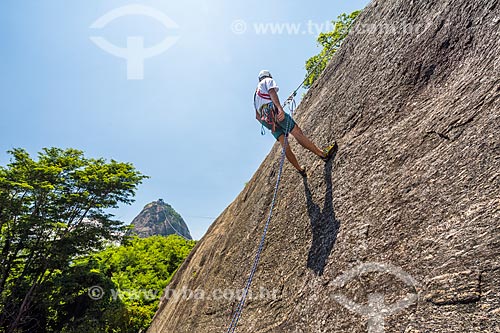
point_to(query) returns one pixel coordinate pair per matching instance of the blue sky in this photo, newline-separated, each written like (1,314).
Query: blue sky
(188,124)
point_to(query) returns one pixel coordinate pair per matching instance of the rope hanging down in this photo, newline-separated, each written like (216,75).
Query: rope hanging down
(291,106)
(237,314)
(313,70)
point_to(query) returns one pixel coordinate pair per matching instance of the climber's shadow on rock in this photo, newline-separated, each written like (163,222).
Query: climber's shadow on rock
(324,225)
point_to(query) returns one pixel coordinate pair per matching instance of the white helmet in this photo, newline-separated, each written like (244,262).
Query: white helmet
(263,74)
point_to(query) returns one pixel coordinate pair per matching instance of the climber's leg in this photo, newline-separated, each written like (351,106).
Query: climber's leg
(305,142)
(289,154)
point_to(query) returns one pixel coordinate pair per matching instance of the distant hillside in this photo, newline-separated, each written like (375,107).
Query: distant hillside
(159,218)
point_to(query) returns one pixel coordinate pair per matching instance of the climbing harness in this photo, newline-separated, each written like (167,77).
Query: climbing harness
(266,113)
(290,102)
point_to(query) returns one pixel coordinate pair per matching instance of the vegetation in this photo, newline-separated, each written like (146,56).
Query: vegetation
(59,271)
(140,271)
(330,42)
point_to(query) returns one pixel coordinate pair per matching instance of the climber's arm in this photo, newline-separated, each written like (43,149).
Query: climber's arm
(276,101)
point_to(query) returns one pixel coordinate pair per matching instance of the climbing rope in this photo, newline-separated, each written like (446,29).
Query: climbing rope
(327,53)
(290,102)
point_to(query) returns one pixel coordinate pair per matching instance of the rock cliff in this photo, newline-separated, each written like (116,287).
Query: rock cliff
(401,231)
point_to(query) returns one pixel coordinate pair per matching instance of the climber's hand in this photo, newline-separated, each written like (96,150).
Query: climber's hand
(281,115)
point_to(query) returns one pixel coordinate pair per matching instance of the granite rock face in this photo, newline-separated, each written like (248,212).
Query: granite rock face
(159,218)
(401,231)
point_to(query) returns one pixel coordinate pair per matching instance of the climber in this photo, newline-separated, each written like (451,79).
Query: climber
(269,113)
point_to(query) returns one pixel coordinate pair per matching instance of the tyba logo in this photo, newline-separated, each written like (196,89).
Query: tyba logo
(135,53)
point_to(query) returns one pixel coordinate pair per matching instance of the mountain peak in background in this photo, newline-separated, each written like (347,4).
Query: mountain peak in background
(159,218)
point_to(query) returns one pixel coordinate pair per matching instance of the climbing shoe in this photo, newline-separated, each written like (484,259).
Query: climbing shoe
(330,151)
(303,172)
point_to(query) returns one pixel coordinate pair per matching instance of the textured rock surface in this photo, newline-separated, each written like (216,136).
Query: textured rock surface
(411,201)
(159,218)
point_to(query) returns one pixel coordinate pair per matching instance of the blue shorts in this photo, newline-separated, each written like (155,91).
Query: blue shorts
(281,127)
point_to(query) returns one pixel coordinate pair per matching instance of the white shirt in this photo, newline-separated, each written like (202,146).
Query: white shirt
(262,96)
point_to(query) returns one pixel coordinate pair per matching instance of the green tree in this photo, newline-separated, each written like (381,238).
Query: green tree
(69,307)
(53,210)
(330,41)
(141,270)
(132,277)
